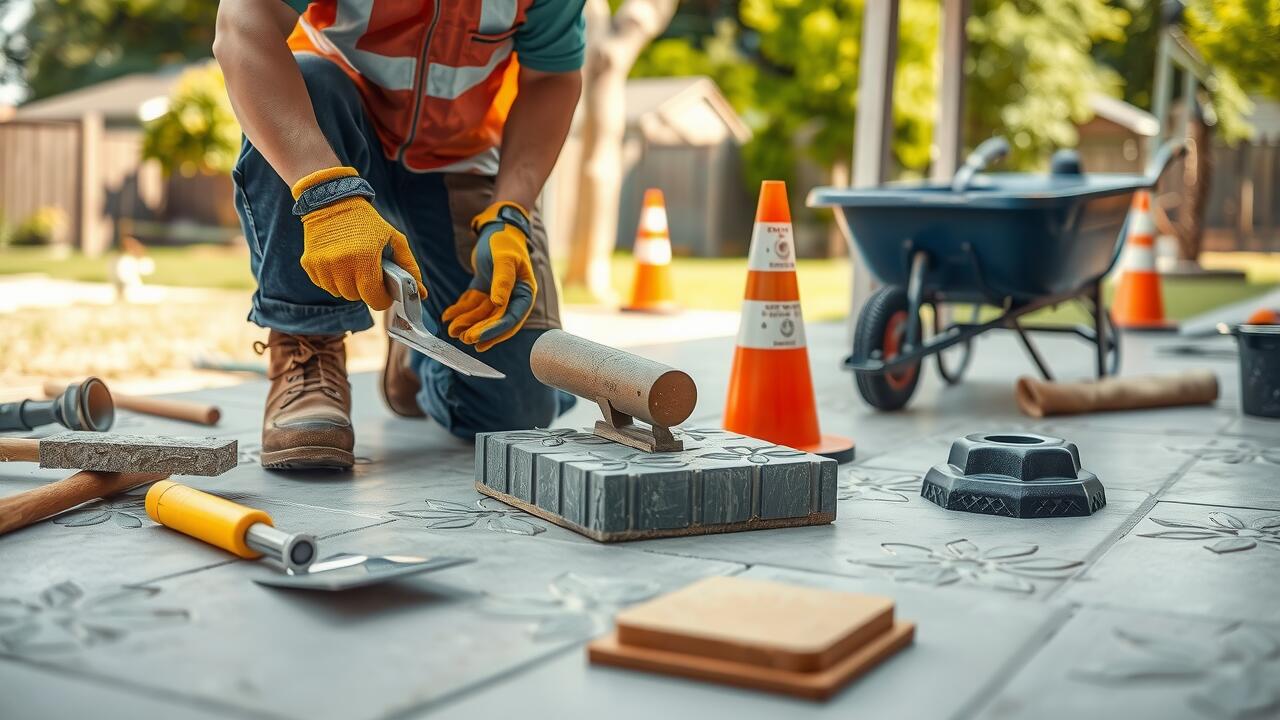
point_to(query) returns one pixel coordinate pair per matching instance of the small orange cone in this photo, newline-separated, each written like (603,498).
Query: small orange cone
(770,389)
(652,289)
(1138,304)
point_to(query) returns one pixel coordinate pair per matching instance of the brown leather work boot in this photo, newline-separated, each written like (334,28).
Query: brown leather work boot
(400,384)
(308,419)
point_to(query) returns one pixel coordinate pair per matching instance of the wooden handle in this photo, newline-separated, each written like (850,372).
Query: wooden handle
(184,410)
(25,508)
(19,449)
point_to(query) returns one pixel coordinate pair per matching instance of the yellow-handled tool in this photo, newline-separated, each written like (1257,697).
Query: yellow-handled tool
(235,528)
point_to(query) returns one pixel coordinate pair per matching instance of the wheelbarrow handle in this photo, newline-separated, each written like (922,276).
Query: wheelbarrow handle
(988,152)
(1164,156)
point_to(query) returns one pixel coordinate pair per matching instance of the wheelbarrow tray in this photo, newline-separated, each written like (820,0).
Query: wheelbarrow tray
(1010,235)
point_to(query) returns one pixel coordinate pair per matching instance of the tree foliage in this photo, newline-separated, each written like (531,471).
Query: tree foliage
(1029,73)
(1241,37)
(68,44)
(199,132)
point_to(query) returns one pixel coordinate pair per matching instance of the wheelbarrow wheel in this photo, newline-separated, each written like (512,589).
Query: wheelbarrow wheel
(880,333)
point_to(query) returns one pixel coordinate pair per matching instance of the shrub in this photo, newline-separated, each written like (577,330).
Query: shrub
(199,132)
(41,228)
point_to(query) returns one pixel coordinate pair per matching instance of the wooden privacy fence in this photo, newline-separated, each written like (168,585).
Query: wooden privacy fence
(92,175)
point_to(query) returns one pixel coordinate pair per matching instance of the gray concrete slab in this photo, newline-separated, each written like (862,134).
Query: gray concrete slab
(1211,561)
(959,648)
(366,654)
(1107,663)
(1231,471)
(192,636)
(34,692)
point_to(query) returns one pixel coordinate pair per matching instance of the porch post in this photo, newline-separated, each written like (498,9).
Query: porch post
(873,132)
(948,127)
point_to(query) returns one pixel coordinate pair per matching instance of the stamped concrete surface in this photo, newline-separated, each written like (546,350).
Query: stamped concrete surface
(1162,604)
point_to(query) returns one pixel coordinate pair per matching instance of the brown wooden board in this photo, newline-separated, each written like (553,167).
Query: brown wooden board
(818,685)
(758,622)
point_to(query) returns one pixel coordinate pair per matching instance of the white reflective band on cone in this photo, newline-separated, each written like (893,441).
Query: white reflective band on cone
(1140,223)
(1139,258)
(772,248)
(653,220)
(771,325)
(652,251)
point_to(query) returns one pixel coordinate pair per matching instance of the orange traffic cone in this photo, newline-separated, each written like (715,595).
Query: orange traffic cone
(652,289)
(770,389)
(1138,304)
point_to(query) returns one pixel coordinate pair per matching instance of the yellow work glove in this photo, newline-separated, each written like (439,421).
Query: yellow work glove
(500,297)
(344,237)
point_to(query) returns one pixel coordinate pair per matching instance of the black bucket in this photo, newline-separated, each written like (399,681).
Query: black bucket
(1259,369)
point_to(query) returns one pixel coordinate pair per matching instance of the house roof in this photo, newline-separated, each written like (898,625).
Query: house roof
(118,100)
(1130,117)
(676,103)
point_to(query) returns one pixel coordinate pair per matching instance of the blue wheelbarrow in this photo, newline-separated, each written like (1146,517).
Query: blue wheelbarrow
(1019,242)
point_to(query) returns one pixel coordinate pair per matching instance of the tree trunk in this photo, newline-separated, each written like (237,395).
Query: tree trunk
(614,43)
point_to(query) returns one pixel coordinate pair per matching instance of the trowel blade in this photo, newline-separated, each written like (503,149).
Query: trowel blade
(437,349)
(345,571)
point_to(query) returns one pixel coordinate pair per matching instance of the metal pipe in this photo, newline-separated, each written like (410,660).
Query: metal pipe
(295,551)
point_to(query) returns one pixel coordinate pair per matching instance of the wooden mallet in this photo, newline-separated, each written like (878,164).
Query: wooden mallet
(109,464)
(193,412)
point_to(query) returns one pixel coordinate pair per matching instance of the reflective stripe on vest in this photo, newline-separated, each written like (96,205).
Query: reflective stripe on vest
(448,82)
(374,40)
(340,38)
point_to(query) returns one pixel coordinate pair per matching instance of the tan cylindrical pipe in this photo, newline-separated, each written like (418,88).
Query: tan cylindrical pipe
(1038,398)
(25,508)
(650,391)
(184,410)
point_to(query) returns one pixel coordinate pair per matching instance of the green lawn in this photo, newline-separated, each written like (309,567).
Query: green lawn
(205,266)
(707,284)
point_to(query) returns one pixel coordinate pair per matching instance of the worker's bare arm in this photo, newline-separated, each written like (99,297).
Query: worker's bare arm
(535,131)
(266,87)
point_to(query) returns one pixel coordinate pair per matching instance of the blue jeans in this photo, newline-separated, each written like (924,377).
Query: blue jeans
(433,210)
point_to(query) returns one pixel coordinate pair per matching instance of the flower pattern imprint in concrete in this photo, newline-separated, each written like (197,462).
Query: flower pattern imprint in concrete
(576,606)
(64,618)
(1235,675)
(557,436)
(1241,452)
(1010,568)
(125,511)
(756,455)
(892,488)
(1231,534)
(445,515)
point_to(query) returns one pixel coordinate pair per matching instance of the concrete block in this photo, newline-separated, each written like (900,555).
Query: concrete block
(720,482)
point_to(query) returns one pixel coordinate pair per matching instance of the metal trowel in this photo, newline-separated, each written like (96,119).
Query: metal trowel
(250,534)
(406,325)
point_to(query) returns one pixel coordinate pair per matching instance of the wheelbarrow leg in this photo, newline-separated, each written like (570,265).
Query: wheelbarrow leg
(1031,350)
(1100,330)
(915,297)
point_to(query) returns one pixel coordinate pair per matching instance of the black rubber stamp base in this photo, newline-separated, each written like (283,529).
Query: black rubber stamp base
(1019,475)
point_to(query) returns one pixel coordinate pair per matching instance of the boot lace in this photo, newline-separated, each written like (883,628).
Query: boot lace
(314,366)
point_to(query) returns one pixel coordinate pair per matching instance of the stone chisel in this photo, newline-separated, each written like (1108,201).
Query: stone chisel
(405,325)
(105,452)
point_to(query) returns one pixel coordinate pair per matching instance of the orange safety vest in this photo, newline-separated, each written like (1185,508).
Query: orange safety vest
(437,78)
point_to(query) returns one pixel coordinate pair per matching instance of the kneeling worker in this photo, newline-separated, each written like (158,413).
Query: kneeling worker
(374,126)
